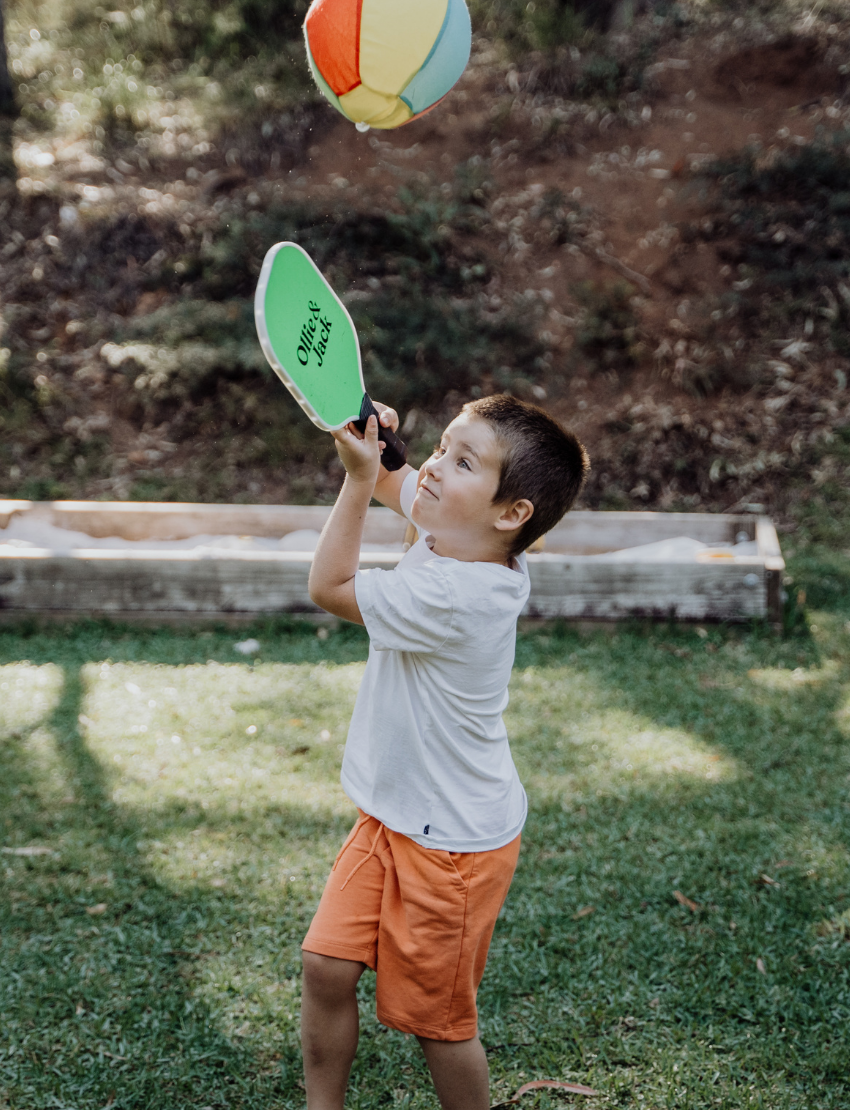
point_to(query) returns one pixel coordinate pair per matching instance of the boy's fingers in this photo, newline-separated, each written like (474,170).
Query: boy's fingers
(372,433)
(387,416)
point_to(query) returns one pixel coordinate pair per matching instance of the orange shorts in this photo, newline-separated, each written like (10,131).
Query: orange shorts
(421,918)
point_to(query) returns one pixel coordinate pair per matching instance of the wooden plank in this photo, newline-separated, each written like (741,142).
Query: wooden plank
(9,618)
(8,509)
(771,553)
(250,582)
(613,591)
(139,520)
(768,544)
(589,533)
(155,521)
(178,581)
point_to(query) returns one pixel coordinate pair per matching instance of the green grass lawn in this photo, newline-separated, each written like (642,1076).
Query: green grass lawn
(189,799)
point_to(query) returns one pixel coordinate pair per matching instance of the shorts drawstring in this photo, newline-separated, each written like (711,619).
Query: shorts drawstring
(361,820)
(365,859)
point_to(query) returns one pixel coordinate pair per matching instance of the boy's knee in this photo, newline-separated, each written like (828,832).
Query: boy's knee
(329,978)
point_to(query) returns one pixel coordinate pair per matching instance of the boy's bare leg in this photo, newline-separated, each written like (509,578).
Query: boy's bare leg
(329,1027)
(460,1073)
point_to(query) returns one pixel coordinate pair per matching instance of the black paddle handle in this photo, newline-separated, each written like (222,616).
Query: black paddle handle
(394,454)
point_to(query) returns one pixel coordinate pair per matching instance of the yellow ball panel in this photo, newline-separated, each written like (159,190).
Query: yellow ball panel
(401,115)
(364,105)
(396,36)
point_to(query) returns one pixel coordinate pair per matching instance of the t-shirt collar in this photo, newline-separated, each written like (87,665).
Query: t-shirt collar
(515,564)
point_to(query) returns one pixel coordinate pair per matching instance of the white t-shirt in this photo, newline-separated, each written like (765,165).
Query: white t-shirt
(427,752)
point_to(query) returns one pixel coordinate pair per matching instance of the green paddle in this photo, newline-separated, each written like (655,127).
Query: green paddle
(311,344)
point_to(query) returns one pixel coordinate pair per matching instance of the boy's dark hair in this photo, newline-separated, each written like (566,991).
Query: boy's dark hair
(541,461)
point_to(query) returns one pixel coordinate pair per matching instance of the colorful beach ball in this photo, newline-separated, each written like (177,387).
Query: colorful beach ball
(383,63)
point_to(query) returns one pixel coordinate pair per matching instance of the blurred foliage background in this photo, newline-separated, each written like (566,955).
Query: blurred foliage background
(212,95)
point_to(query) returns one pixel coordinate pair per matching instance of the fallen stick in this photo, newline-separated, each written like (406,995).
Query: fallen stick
(622,269)
(536,1084)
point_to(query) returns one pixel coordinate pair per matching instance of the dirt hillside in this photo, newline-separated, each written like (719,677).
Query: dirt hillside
(595,234)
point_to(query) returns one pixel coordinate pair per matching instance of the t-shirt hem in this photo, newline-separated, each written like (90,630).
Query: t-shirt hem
(490,844)
(441,844)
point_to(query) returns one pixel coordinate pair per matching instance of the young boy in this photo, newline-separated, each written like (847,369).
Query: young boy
(416,888)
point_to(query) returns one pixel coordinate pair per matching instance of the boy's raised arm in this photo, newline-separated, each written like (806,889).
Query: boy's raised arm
(337,555)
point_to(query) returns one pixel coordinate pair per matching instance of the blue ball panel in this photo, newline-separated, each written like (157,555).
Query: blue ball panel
(445,63)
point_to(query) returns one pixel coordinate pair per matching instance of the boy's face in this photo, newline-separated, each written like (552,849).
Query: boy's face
(457,484)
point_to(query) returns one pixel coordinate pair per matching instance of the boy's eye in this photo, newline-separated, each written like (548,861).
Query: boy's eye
(438,449)
(463,462)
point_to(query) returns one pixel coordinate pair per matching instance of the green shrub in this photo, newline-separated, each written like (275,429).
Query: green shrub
(417,349)
(418,244)
(541,24)
(188,30)
(15,384)
(564,50)
(600,76)
(128,69)
(607,336)
(784,219)
(41,489)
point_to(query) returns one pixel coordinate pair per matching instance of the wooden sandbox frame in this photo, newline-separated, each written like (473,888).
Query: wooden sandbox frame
(242,585)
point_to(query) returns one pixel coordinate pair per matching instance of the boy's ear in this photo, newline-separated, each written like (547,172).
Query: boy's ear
(514,516)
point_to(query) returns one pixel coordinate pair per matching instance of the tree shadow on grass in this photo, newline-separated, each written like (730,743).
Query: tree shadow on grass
(102,958)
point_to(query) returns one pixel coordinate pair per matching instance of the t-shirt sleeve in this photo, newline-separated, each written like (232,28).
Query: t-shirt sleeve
(407,494)
(405,610)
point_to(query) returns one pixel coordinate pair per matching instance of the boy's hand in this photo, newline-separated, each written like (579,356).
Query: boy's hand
(361,454)
(387,416)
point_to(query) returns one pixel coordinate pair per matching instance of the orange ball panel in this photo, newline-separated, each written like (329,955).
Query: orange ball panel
(333,31)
